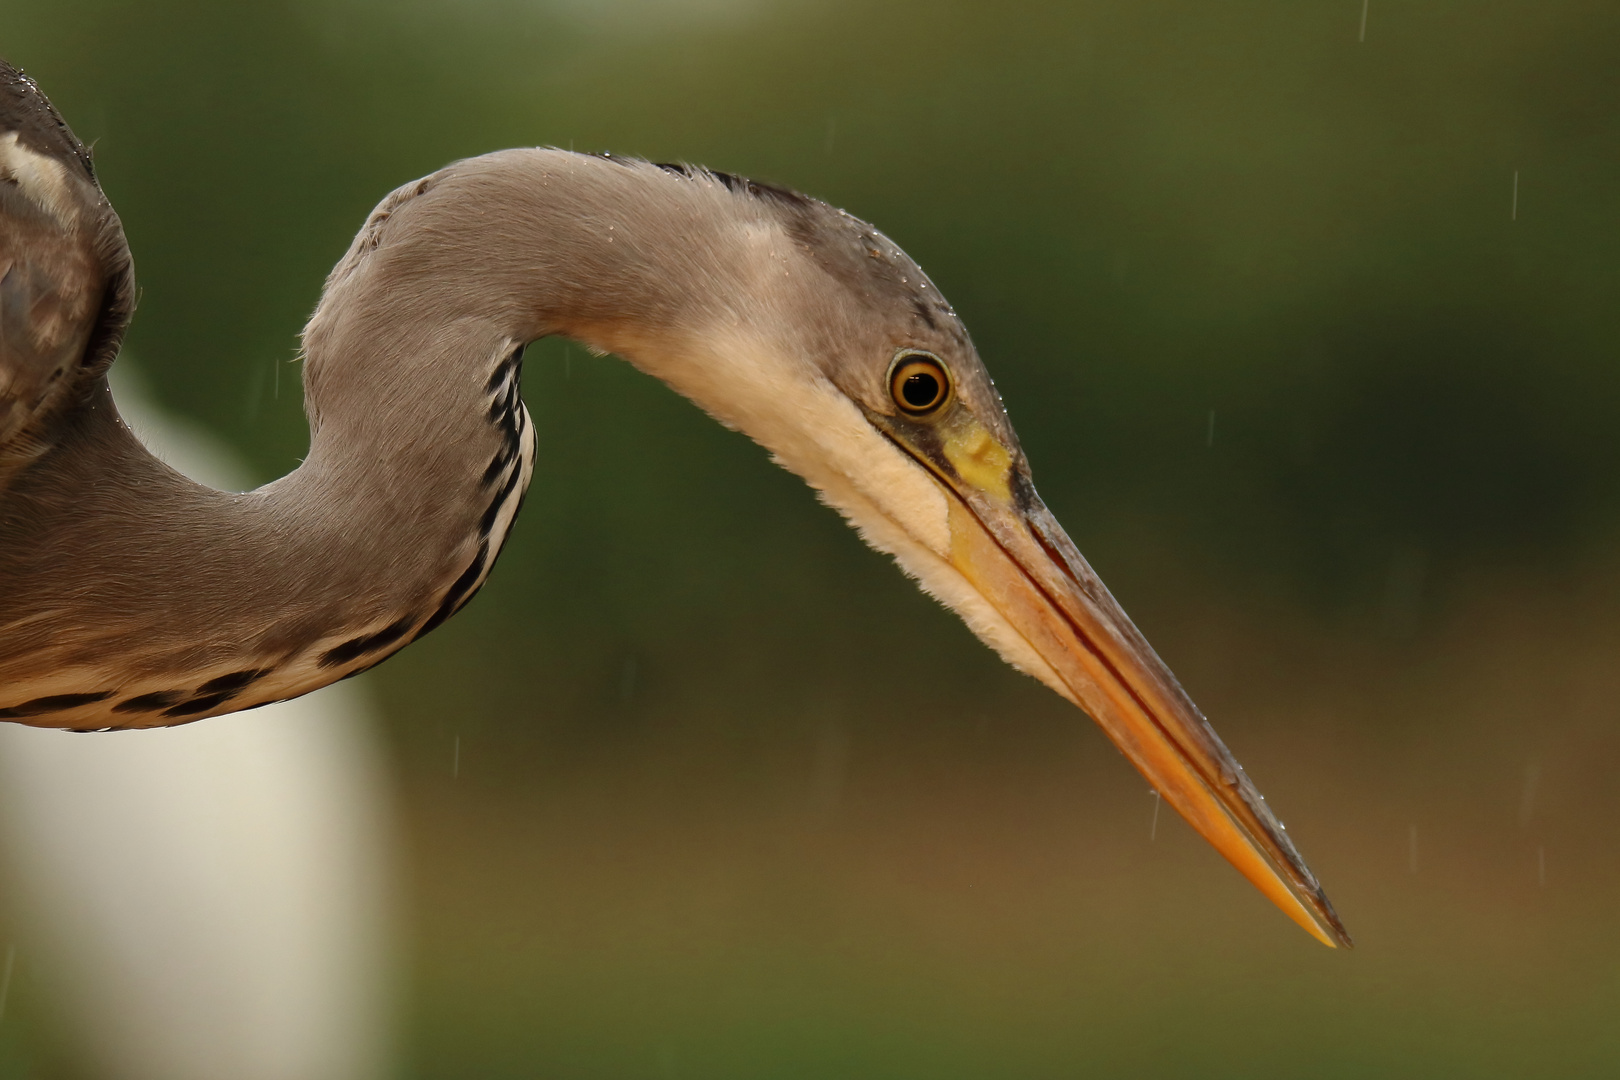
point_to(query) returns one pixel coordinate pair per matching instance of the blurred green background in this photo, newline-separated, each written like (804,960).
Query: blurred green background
(1311,343)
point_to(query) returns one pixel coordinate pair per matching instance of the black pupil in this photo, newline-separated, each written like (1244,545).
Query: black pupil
(920,389)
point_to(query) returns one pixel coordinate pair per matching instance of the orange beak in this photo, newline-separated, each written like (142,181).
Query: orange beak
(1014,553)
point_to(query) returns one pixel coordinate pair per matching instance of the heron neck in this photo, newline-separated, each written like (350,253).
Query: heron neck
(130,596)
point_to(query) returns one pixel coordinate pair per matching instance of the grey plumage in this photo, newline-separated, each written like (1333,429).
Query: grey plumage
(66,282)
(382,553)
(133,597)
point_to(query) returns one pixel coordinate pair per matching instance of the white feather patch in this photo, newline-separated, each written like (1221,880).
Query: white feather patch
(813,429)
(42,180)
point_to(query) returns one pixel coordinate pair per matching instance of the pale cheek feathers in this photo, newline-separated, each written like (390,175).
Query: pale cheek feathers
(814,430)
(939,579)
(895,505)
(41,179)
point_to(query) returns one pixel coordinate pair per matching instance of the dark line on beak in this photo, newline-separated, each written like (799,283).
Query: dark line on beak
(1296,872)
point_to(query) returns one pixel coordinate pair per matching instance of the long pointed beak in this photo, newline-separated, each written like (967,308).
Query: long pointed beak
(1013,551)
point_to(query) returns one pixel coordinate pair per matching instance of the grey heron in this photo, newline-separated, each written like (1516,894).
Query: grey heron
(135,597)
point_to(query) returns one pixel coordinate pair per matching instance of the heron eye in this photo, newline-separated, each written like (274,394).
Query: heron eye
(919,384)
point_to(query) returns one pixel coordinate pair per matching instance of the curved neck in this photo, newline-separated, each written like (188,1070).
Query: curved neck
(421,450)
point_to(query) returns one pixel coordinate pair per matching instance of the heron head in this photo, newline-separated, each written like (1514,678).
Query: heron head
(835,351)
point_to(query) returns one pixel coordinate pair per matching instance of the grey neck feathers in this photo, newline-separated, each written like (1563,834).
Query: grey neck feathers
(130,596)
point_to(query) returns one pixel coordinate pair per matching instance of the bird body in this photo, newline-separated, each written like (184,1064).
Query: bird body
(135,597)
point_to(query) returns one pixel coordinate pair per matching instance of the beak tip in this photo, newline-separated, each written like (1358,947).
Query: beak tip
(1019,560)
(1325,925)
